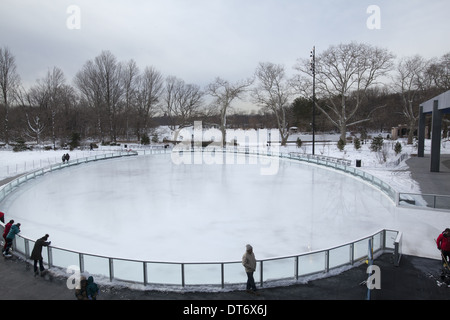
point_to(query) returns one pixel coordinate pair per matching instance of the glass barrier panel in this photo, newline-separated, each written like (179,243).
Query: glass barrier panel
(279,269)
(390,239)
(361,249)
(164,273)
(20,245)
(339,256)
(235,273)
(378,242)
(128,270)
(96,265)
(311,263)
(64,259)
(195,274)
(442,202)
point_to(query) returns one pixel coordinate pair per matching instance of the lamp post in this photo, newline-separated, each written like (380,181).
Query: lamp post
(313,71)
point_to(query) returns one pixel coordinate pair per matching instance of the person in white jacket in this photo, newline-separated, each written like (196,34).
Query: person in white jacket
(249,263)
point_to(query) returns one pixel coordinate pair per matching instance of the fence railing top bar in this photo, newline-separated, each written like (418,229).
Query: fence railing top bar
(216,262)
(426,194)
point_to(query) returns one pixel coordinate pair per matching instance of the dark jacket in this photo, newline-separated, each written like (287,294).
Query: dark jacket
(91,289)
(36,254)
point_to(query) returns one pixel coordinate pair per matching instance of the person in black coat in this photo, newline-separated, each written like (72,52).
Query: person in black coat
(36,254)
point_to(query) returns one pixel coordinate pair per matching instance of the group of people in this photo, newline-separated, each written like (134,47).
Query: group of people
(65,157)
(10,232)
(88,290)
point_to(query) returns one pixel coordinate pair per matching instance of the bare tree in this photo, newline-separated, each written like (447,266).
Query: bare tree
(87,82)
(343,75)
(182,102)
(409,81)
(35,128)
(273,92)
(48,94)
(224,93)
(439,72)
(130,78)
(100,82)
(150,90)
(9,84)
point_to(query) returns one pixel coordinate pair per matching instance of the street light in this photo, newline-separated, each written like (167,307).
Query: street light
(313,71)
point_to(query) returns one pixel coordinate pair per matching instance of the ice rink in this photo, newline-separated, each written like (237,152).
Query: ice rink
(150,208)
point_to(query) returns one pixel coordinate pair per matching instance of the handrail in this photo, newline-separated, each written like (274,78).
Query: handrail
(22,245)
(8,187)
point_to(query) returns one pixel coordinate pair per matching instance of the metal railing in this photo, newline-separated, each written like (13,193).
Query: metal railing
(10,186)
(434,201)
(195,274)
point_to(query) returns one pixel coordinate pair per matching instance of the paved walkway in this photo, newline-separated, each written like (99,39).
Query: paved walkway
(431,182)
(415,279)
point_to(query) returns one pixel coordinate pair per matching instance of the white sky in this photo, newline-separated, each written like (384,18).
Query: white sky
(198,40)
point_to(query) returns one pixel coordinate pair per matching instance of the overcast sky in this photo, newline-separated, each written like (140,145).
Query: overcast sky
(198,40)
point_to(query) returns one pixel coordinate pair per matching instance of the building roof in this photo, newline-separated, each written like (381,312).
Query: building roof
(443,103)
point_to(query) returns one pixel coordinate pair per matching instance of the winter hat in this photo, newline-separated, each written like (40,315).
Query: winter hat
(248,247)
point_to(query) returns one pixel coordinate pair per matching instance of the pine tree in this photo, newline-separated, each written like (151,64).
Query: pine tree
(357,143)
(377,143)
(398,148)
(341,144)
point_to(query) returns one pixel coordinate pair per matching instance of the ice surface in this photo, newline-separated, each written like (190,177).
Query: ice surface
(148,208)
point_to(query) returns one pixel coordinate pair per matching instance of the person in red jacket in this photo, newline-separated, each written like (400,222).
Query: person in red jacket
(443,244)
(6,231)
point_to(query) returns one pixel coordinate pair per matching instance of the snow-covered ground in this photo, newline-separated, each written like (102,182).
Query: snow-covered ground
(335,207)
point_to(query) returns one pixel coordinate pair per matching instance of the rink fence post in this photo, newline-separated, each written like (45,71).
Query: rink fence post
(111,269)
(81,262)
(182,275)
(144,265)
(27,249)
(222,274)
(352,253)
(50,256)
(261,276)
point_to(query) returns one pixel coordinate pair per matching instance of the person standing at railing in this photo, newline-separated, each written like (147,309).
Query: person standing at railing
(249,263)
(36,254)
(6,231)
(443,244)
(15,229)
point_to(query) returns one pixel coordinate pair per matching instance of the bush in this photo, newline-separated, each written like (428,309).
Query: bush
(398,148)
(145,140)
(20,145)
(377,144)
(341,144)
(74,140)
(357,144)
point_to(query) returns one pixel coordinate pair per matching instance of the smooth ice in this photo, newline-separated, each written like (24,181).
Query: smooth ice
(150,208)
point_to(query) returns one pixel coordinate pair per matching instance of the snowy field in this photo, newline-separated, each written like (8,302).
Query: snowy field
(147,207)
